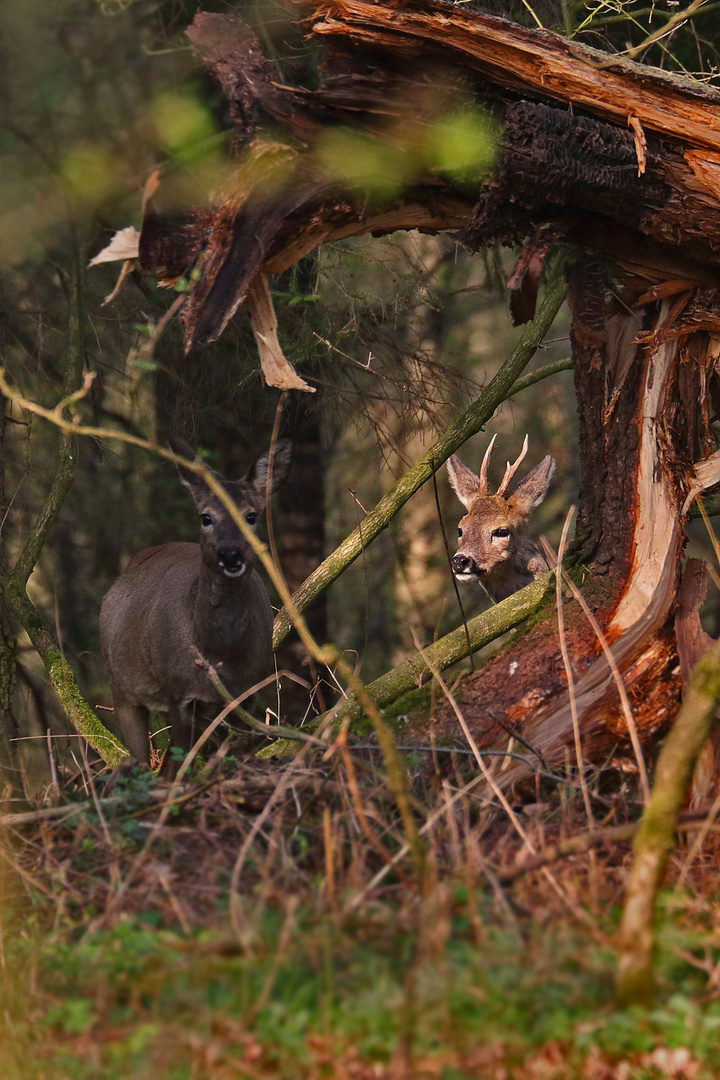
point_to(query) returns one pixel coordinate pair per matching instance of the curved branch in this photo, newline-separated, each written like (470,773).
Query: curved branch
(467,425)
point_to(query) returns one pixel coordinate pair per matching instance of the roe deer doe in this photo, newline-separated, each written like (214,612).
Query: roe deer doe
(492,548)
(178,595)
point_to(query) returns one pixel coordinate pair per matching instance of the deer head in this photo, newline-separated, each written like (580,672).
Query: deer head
(223,548)
(492,547)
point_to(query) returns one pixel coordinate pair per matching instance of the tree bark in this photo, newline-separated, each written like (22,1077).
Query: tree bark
(13,584)
(645,197)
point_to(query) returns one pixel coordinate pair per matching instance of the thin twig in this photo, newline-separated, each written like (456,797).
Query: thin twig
(598,837)
(699,840)
(568,666)
(375,843)
(617,679)
(498,792)
(448,556)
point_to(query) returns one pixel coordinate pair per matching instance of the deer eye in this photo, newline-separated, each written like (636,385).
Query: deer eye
(205,521)
(459,532)
(251,518)
(500,532)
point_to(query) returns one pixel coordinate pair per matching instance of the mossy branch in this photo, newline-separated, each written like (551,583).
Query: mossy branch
(656,837)
(471,421)
(415,671)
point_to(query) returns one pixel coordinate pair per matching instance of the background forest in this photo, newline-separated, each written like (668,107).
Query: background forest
(397,335)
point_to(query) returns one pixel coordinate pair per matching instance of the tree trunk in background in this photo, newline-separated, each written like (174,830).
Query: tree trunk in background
(421,568)
(301,547)
(9,773)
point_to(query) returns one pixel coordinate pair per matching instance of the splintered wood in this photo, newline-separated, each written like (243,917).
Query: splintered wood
(276,369)
(630,170)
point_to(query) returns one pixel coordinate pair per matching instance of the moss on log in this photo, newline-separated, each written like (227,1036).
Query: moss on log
(414,671)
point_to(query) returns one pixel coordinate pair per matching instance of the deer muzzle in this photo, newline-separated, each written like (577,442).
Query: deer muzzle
(231,561)
(465,568)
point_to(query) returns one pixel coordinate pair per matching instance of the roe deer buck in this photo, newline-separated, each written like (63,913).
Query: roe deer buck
(178,595)
(492,548)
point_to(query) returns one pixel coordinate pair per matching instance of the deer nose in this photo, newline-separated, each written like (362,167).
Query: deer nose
(463,564)
(231,560)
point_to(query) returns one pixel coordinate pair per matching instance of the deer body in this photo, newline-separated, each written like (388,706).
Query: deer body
(492,546)
(179,595)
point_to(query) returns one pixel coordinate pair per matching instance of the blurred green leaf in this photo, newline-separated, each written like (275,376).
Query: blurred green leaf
(462,145)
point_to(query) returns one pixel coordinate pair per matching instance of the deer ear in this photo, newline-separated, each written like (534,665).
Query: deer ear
(531,491)
(189,479)
(281,462)
(465,483)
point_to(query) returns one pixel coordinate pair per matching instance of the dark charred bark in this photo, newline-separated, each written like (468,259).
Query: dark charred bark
(647,198)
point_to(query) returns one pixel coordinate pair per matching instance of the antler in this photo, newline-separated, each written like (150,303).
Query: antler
(483,490)
(511,469)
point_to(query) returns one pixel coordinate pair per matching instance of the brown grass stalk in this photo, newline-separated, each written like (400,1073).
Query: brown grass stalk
(568,666)
(497,791)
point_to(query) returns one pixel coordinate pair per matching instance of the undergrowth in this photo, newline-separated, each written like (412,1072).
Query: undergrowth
(260,933)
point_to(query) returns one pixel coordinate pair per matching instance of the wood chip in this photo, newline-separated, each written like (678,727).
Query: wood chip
(275,367)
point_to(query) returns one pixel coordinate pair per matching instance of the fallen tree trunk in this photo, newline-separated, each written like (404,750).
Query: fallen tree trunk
(654,186)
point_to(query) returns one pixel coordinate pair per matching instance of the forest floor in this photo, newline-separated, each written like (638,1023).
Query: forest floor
(273,922)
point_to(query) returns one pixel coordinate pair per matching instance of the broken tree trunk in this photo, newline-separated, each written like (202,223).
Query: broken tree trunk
(639,152)
(641,375)
(618,162)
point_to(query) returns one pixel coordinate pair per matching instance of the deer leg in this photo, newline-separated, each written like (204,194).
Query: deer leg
(134,724)
(182,734)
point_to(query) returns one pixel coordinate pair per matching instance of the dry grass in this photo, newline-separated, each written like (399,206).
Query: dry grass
(325,831)
(268,924)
